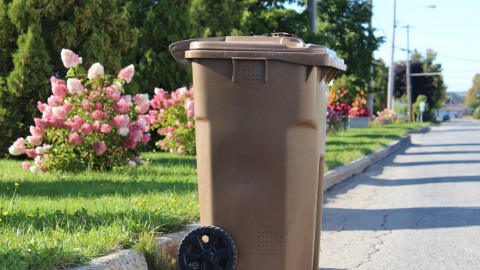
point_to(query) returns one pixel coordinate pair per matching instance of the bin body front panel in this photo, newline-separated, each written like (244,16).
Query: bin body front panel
(259,128)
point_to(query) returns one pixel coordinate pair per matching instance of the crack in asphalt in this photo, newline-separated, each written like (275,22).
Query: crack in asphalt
(378,242)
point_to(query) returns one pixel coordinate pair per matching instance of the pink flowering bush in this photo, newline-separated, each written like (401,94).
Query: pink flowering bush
(384,117)
(88,123)
(172,117)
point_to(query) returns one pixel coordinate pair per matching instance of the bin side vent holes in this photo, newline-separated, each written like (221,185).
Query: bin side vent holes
(269,244)
(250,75)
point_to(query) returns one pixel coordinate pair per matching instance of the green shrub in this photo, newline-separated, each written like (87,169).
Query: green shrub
(476,113)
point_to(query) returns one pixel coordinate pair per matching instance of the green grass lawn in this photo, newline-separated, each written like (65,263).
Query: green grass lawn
(56,221)
(344,147)
(53,221)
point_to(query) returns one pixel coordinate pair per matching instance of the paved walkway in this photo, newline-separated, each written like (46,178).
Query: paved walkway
(418,209)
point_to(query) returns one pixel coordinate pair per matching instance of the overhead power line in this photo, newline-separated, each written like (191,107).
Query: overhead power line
(459,58)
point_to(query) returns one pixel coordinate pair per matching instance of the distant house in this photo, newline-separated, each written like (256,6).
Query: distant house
(454,106)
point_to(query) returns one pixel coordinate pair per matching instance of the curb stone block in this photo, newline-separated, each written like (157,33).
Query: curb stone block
(167,245)
(121,260)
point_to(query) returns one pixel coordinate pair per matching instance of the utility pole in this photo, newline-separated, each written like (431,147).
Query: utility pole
(312,15)
(370,85)
(391,73)
(409,85)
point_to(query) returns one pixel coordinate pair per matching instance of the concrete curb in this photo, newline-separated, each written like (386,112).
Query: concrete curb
(121,260)
(344,172)
(167,245)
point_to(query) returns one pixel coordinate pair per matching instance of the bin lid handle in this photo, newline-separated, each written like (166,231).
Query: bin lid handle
(282,34)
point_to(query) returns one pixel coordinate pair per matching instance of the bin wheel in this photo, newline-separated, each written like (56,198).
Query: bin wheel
(207,248)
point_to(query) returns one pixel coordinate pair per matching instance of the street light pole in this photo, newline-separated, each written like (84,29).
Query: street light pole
(391,73)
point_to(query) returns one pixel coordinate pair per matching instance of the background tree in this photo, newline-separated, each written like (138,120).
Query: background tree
(343,27)
(216,18)
(7,40)
(472,100)
(267,16)
(380,84)
(416,106)
(27,82)
(96,29)
(430,86)
(158,24)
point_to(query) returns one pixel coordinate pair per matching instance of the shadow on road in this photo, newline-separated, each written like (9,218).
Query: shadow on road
(434,162)
(420,181)
(455,130)
(445,145)
(335,219)
(441,153)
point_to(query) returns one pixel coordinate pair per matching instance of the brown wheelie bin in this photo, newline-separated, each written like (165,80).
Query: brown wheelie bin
(260,116)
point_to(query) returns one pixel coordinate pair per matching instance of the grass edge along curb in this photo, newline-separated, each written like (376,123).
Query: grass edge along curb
(167,245)
(343,172)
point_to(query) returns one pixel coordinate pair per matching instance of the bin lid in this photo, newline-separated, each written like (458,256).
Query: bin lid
(280,46)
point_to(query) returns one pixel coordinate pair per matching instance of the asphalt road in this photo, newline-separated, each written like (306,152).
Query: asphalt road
(417,209)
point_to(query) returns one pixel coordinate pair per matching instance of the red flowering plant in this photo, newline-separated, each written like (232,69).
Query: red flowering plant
(337,101)
(337,108)
(359,107)
(334,119)
(88,123)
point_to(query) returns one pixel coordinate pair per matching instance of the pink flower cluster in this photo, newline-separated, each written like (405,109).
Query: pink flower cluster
(384,117)
(83,120)
(173,115)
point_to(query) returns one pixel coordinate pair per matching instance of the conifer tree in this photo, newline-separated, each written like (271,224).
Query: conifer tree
(7,41)
(158,24)
(27,83)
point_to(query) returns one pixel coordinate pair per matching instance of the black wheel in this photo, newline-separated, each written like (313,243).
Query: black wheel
(207,248)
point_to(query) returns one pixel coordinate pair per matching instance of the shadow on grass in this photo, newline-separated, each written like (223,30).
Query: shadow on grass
(166,173)
(134,220)
(98,188)
(173,160)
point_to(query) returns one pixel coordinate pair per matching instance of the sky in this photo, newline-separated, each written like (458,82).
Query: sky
(452,29)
